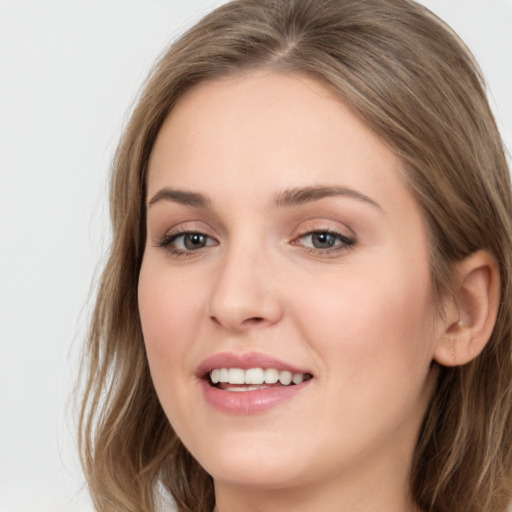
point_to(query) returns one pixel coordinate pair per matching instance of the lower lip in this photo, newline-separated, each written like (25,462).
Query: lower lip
(248,402)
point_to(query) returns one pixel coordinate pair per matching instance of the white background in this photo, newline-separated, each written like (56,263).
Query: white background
(69,72)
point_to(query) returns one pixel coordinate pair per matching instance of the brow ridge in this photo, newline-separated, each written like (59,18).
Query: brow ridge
(301,195)
(288,198)
(184,197)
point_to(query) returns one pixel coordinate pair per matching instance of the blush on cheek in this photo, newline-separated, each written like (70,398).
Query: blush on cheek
(168,314)
(152,313)
(385,318)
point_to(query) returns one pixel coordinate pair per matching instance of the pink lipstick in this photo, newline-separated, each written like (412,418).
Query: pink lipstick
(249,383)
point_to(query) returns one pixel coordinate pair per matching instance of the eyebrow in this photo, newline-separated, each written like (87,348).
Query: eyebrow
(288,198)
(192,199)
(302,195)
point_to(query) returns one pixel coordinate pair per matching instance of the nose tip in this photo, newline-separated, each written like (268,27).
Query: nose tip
(242,316)
(237,307)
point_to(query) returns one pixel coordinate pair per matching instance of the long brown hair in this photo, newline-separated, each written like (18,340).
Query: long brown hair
(413,82)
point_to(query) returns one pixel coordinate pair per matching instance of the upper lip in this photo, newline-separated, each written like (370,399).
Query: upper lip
(244,362)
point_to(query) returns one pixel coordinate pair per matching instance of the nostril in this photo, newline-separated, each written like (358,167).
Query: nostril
(253,320)
(214,319)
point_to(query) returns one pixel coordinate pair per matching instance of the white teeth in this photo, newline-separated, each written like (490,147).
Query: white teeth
(255,376)
(246,388)
(236,376)
(271,375)
(297,378)
(285,377)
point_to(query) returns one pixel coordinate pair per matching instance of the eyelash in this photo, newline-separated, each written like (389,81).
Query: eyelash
(168,240)
(345,242)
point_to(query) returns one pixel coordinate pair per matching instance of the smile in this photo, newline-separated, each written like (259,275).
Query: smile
(251,379)
(249,383)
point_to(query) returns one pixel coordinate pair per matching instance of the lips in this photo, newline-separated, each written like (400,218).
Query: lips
(244,361)
(251,382)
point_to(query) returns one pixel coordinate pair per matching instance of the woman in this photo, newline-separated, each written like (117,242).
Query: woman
(307,302)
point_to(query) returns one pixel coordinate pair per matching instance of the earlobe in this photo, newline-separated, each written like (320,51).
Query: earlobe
(473,310)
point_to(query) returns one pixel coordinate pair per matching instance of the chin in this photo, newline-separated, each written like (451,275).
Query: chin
(253,462)
(253,474)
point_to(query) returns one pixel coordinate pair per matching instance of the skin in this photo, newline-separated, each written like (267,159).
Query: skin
(358,317)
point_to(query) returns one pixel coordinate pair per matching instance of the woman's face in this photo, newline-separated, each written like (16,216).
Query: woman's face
(281,238)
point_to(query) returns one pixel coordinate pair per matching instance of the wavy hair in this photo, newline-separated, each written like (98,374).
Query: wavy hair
(416,85)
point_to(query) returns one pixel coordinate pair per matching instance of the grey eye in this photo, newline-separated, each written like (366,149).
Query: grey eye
(179,243)
(192,241)
(323,240)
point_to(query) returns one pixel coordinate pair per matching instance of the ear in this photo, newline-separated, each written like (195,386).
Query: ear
(471,312)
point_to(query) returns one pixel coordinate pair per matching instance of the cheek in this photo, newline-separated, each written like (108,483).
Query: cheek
(169,308)
(372,321)
(371,334)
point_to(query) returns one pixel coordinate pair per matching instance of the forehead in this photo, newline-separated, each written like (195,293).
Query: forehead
(263,132)
(258,112)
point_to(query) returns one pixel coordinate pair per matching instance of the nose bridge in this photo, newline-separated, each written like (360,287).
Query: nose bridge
(244,293)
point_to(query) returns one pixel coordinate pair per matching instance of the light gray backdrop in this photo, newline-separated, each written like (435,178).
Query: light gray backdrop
(69,71)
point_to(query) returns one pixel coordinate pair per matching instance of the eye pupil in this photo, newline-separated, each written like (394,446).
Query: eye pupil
(323,240)
(194,241)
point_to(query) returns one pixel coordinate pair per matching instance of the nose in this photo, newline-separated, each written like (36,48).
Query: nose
(245,294)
